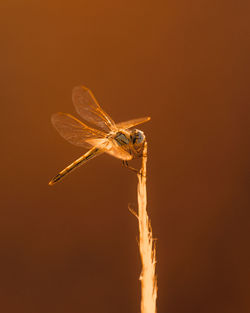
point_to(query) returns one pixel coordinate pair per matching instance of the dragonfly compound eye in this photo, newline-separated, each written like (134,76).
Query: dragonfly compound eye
(138,136)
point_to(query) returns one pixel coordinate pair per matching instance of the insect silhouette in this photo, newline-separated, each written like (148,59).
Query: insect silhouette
(118,140)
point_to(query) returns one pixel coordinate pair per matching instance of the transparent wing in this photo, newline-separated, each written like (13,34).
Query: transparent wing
(74,131)
(88,108)
(132,123)
(119,153)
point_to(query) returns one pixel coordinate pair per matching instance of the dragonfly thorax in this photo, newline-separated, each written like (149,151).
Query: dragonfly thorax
(132,141)
(122,137)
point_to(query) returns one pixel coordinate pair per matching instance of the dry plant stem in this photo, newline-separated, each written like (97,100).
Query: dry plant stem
(146,245)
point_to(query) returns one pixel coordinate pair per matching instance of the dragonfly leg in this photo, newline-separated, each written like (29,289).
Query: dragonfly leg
(125,163)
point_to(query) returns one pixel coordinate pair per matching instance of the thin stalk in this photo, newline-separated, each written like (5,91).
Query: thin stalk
(146,245)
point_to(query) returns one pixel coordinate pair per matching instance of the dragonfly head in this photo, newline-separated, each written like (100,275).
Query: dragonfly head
(138,137)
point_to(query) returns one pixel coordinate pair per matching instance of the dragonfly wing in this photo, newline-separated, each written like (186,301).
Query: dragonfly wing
(118,152)
(88,108)
(74,131)
(132,123)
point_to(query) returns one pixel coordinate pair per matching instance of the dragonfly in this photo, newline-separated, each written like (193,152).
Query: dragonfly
(120,140)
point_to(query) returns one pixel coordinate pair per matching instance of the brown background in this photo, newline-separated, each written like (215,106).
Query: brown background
(72,248)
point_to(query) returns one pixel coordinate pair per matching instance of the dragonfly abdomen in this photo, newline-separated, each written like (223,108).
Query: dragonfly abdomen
(80,161)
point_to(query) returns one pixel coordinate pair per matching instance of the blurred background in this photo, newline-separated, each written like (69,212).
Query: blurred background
(72,247)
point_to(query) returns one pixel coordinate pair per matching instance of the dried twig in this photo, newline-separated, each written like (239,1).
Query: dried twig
(146,245)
